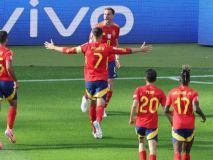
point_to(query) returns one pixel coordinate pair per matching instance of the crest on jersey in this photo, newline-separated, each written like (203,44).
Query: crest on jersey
(109,36)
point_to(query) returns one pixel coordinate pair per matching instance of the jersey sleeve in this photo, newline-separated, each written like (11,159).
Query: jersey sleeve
(136,95)
(195,96)
(115,50)
(8,55)
(163,99)
(75,50)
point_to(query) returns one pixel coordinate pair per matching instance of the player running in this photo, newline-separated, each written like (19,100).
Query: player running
(184,101)
(110,36)
(8,84)
(146,101)
(96,72)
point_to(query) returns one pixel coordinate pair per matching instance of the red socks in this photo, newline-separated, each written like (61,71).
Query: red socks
(99,114)
(177,156)
(11,116)
(142,155)
(92,116)
(108,97)
(152,157)
(186,156)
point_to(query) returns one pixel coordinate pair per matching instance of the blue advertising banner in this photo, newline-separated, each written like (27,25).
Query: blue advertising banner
(31,22)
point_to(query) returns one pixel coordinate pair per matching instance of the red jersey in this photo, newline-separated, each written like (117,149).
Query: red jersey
(5,55)
(110,36)
(149,98)
(181,99)
(96,58)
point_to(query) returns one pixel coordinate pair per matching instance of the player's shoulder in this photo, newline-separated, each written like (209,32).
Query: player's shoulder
(5,50)
(115,25)
(100,24)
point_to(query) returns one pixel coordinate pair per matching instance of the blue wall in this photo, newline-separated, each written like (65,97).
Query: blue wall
(205,33)
(156,21)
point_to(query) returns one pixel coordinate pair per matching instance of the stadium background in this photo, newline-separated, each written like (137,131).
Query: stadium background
(31,22)
(50,124)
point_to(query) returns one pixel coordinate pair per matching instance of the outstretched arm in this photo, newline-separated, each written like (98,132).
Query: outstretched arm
(132,113)
(198,110)
(50,45)
(144,48)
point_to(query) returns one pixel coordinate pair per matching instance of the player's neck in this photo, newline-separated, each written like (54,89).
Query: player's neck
(108,23)
(2,45)
(149,83)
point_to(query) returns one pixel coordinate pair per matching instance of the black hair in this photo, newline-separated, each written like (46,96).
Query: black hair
(3,36)
(97,32)
(111,9)
(151,75)
(185,75)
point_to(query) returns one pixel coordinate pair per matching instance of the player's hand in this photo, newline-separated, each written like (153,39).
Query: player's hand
(117,63)
(49,45)
(131,121)
(16,85)
(203,119)
(146,48)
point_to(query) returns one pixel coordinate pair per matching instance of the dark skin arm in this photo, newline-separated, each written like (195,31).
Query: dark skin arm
(10,71)
(168,114)
(198,110)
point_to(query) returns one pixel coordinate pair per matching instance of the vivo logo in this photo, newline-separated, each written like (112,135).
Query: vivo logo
(75,22)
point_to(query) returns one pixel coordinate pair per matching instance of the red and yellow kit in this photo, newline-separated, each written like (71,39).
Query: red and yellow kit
(110,36)
(5,55)
(149,98)
(181,99)
(96,58)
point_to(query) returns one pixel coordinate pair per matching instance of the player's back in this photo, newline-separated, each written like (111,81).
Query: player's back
(181,99)
(5,54)
(149,97)
(96,61)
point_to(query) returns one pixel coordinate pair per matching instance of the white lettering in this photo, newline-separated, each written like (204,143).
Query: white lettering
(73,25)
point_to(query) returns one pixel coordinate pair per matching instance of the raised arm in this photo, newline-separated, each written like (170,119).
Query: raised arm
(66,50)
(198,110)
(132,113)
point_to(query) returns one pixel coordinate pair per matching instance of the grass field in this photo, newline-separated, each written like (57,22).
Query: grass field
(51,126)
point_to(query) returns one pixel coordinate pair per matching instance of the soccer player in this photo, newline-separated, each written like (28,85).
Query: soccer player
(184,101)
(8,84)
(96,72)
(146,101)
(110,36)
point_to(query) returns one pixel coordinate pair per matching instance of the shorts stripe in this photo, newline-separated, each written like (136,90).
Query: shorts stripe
(101,93)
(10,97)
(181,138)
(152,134)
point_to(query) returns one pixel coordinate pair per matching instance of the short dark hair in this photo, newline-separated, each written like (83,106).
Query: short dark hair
(111,9)
(97,32)
(151,75)
(3,36)
(185,74)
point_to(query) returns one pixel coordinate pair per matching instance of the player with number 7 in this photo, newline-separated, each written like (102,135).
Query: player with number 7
(96,72)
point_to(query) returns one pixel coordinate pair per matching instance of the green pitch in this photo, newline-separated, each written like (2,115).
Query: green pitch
(51,126)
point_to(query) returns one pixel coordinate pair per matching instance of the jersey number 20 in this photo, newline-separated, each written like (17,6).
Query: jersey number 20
(153,104)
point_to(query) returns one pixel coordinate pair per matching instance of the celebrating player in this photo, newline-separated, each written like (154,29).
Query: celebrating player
(8,84)
(184,101)
(96,72)
(110,36)
(146,101)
